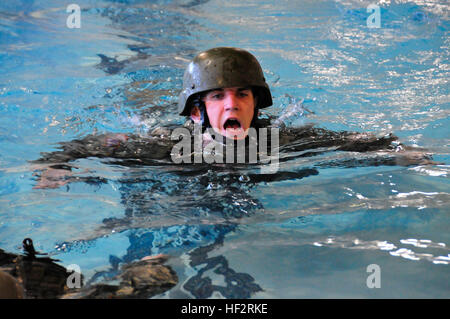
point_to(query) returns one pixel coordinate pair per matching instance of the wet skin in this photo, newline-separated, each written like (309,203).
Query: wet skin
(230,111)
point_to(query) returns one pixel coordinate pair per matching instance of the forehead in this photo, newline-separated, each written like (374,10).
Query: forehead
(238,89)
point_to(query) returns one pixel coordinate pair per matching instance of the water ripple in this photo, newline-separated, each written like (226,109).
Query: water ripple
(393,249)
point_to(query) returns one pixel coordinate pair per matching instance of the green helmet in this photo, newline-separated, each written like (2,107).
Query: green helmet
(221,68)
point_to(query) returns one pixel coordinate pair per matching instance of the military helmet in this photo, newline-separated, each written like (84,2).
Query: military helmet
(221,68)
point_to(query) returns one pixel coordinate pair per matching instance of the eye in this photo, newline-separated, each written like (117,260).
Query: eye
(215,96)
(243,93)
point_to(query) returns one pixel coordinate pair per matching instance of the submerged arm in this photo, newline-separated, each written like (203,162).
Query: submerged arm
(56,169)
(309,142)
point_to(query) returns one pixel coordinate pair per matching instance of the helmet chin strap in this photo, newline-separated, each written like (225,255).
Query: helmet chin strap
(204,120)
(256,109)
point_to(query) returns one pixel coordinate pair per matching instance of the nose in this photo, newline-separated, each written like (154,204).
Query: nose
(231,103)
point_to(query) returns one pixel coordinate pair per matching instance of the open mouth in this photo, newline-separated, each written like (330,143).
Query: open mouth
(232,123)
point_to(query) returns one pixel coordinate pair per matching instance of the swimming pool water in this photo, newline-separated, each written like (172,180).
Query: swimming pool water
(310,237)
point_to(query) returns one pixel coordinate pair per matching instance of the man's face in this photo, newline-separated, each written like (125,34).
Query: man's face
(230,111)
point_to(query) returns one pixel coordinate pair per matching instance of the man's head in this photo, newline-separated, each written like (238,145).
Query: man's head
(224,88)
(230,111)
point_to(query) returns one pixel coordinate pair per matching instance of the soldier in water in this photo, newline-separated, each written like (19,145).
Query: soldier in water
(224,90)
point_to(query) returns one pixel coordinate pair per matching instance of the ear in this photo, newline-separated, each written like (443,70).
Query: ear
(196,115)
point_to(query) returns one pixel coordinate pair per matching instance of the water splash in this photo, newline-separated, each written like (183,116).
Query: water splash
(292,113)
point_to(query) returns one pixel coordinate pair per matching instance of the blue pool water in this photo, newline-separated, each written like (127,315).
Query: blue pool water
(311,237)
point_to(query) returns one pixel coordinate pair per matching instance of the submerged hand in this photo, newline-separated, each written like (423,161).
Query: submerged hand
(53,178)
(114,140)
(410,157)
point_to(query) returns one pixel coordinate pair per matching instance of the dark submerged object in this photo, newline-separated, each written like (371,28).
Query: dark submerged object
(140,279)
(10,288)
(34,277)
(40,277)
